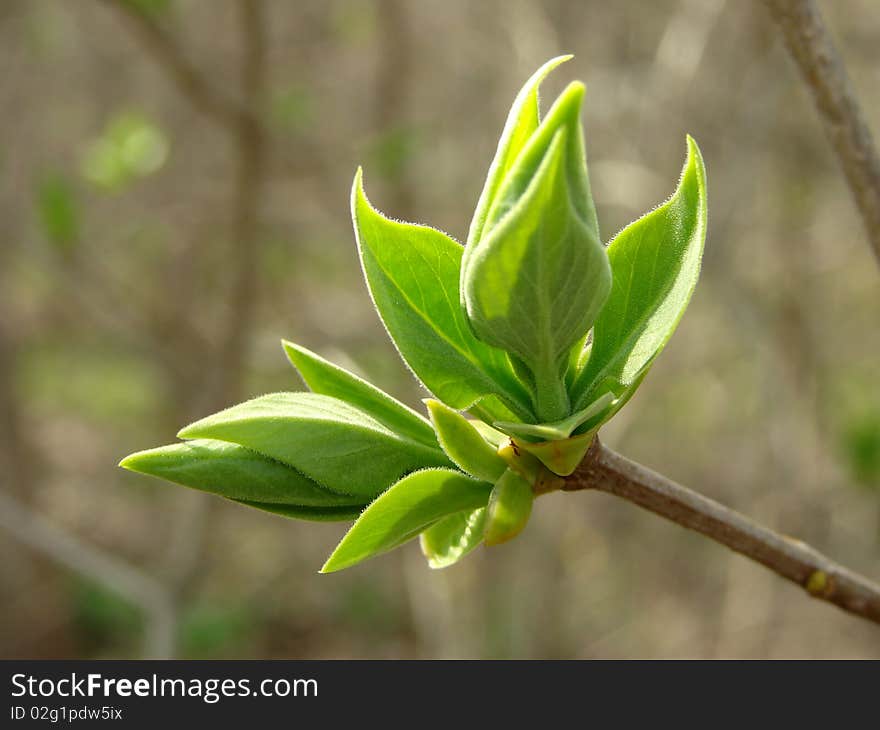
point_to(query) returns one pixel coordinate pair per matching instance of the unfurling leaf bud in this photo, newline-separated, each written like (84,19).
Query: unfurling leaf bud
(510,506)
(535,281)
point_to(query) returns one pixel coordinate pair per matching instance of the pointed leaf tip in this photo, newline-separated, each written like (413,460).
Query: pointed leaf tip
(655,262)
(426,323)
(522,120)
(409,507)
(463,444)
(323,377)
(536,281)
(237,473)
(324,438)
(130,462)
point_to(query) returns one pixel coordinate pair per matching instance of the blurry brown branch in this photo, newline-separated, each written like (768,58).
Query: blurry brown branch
(240,117)
(41,535)
(238,114)
(17,462)
(171,57)
(230,112)
(248,185)
(394,77)
(822,69)
(821,577)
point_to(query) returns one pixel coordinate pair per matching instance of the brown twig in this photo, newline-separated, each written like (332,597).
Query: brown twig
(821,577)
(822,69)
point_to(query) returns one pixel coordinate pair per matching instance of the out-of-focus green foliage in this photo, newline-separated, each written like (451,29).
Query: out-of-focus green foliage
(861,445)
(293,108)
(105,620)
(130,147)
(93,382)
(392,151)
(58,211)
(209,630)
(154,9)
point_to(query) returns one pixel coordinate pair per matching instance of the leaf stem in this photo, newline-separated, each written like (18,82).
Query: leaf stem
(821,577)
(551,397)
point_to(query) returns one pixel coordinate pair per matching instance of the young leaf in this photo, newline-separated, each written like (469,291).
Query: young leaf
(449,540)
(313,514)
(565,114)
(655,263)
(522,121)
(491,408)
(234,472)
(493,436)
(410,506)
(561,429)
(509,508)
(322,376)
(538,277)
(413,276)
(560,457)
(464,444)
(339,446)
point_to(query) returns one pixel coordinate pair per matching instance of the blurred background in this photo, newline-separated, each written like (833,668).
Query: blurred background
(174,199)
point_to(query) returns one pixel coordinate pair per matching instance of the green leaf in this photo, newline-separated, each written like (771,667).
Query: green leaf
(565,114)
(655,263)
(538,277)
(313,514)
(561,457)
(561,429)
(235,472)
(464,444)
(58,211)
(522,121)
(493,436)
(153,9)
(337,445)
(491,408)
(449,540)
(322,376)
(413,275)
(131,146)
(406,509)
(510,506)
